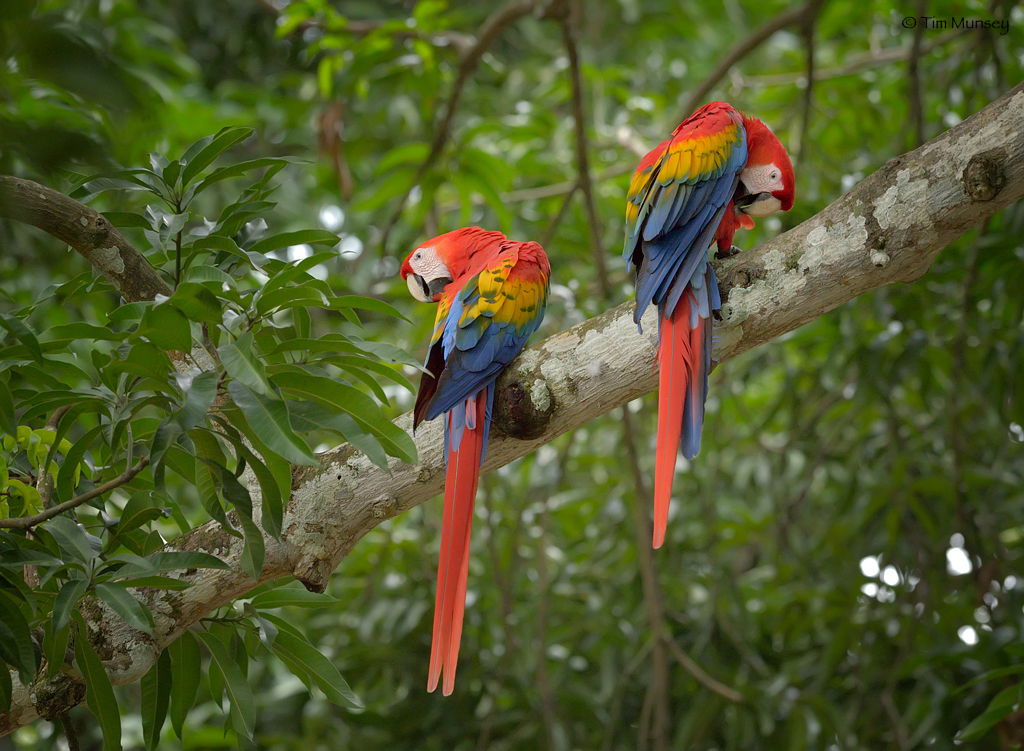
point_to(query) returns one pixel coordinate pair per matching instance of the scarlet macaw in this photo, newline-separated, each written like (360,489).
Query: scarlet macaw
(492,293)
(719,169)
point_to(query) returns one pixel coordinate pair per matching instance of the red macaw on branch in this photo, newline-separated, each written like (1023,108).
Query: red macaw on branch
(719,169)
(492,293)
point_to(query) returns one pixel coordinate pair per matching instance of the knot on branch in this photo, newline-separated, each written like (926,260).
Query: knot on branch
(53,697)
(983,176)
(523,407)
(313,571)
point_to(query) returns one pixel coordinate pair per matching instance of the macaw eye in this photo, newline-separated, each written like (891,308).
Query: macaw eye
(775,176)
(417,256)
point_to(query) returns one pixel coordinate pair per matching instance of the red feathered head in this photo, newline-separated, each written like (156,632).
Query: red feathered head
(446,259)
(768,177)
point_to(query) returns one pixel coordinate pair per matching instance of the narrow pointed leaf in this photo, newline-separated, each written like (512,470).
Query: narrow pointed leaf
(121,601)
(243,707)
(99,694)
(156,696)
(186,671)
(269,419)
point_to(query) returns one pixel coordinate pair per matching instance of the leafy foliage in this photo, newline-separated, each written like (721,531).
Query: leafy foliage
(103,395)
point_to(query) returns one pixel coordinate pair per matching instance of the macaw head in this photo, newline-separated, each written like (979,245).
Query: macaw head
(768,183)
(445,259)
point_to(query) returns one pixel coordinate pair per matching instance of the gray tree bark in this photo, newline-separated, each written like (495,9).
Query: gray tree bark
(888,229)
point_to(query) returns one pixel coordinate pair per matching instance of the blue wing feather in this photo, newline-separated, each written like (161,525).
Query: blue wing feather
(675,228)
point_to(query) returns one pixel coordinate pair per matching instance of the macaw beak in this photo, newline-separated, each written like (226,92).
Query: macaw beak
(754,203)
(427,290)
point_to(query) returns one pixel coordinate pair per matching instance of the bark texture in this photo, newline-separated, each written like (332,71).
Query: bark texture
(887,229)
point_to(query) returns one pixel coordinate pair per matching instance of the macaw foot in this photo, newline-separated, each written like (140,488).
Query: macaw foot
(728,253)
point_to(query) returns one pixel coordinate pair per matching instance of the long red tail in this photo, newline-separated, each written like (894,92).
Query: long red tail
(461,479)
(680,385)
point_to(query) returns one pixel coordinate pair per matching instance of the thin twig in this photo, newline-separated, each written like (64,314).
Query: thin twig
(805,121)
(553,226)
(487,35)
(461,42)
(620,690)
(547,191)
(27,522)
(582,161)
(914,77)
(855,65)
(744,48)
(70,732)
(697,672)
(656,700)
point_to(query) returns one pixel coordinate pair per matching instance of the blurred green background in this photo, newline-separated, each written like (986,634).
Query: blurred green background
(845,552)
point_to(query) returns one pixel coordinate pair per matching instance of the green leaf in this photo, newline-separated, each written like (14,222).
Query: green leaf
(8,422)
(6,688)
(301,237)
(267,630)
(346,302)
(126,219)
(55,648)
(204,273)
(253,551)
(68,474)
(23,334)
(167,328)
(99,694)
(70,593)
(196,302)
(243,708)
(269,420)
(221,143)
(141,508)
(272,502)
(168,561)
(304,659)
(237,170)
(398,183)
(1004,704)
(156,696)
(409,153)
(233,491)
(200,392)
(290,297)
(120,600)
(241,363)
(160,582)
(290,598)
(186,672)
(358,405)
(15,638)
(73,538)
(309,416)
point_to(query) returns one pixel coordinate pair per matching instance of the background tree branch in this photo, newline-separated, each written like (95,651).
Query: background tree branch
(888,229)
(782,21)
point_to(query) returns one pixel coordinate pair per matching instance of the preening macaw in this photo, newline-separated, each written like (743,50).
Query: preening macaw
(719,169)
(492,293)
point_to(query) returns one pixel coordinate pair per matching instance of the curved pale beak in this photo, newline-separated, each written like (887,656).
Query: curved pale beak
(427,290)
(755,204)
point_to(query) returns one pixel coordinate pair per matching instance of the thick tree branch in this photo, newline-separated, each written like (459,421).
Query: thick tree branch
(85,230)
(888,229)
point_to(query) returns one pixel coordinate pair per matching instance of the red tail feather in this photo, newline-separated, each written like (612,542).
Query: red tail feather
(678,362)
(461,479)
